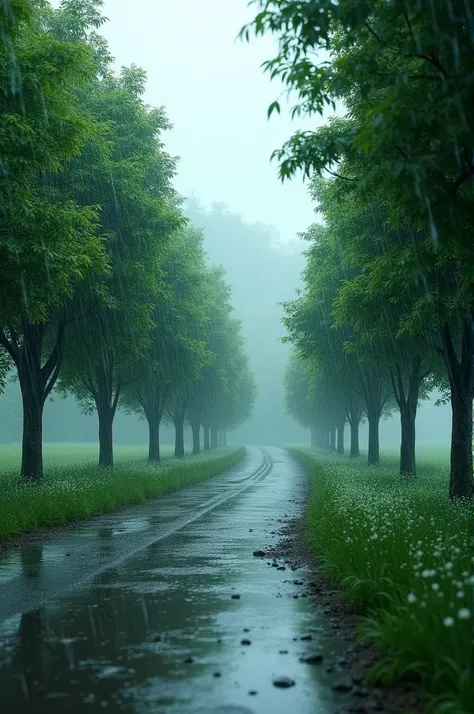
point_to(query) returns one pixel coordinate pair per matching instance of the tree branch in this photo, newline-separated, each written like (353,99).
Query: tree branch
(336,175)
(10,347)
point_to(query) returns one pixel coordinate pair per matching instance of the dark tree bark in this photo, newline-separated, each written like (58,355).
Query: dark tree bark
(340,435)
(152,400)
(461,381)
(214,435)
(37,378)
(407,401)
(106,393)
(407,445)
(154,439)
(372,391)
(355,448)
(106,439)
(196,429)
(178,421)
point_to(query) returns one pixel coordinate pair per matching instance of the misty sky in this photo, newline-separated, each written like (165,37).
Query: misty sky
(217,97)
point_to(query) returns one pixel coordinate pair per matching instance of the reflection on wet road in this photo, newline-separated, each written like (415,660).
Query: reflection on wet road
(134,612)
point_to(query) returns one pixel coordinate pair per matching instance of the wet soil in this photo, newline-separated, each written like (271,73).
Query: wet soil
(349,672)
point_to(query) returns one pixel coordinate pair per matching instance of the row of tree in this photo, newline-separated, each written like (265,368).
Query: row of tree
(105,291)
(388,306)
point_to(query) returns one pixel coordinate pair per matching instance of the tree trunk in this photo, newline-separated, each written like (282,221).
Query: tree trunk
(313,436)
(224,438)
(37,379)
(214,433)
(153,439)
(32,443)
(178,422)
(106,403)
(332,440)
(407,401)
(373,417)
(106,439)
(355,449)
(461,484)
(340,436)
(407,443)
(196,429)
(206,437)
(461,380)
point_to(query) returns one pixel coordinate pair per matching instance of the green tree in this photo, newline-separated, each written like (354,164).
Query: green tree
(177,352)
(138,212)
(49,243)
(406,77)
(303,402)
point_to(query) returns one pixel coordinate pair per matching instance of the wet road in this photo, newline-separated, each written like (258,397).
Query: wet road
(134,613)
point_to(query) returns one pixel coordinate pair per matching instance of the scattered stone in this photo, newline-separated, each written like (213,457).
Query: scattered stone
(245,642)
(283,682)
(250,530)
(306,637)
(342,686)
(315,658)
(298,582)
(157,638)
(329,670)
(235,596)
(253,692)
(217,674)
(295,597)
(246,629)
(259,553)
(282,651)
(281,567)
(189,660)
(342,662)
(274,565)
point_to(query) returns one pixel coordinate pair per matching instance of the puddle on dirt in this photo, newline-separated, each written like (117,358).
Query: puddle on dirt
(160,631)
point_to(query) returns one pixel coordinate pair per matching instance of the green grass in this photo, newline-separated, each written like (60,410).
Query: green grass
(75,488)
(403,554)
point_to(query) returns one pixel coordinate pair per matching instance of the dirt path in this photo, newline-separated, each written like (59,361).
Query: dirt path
(165,608)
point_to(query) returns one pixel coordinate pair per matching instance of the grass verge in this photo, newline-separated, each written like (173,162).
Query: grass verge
(82,490)
(403,554)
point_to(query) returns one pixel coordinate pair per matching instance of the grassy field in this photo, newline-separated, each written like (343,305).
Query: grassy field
(404,555)
(75,488)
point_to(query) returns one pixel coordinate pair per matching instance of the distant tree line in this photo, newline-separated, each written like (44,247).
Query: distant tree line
(105,289)
(388,306)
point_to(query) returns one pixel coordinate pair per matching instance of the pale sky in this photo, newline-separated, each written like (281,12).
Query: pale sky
(216,96)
